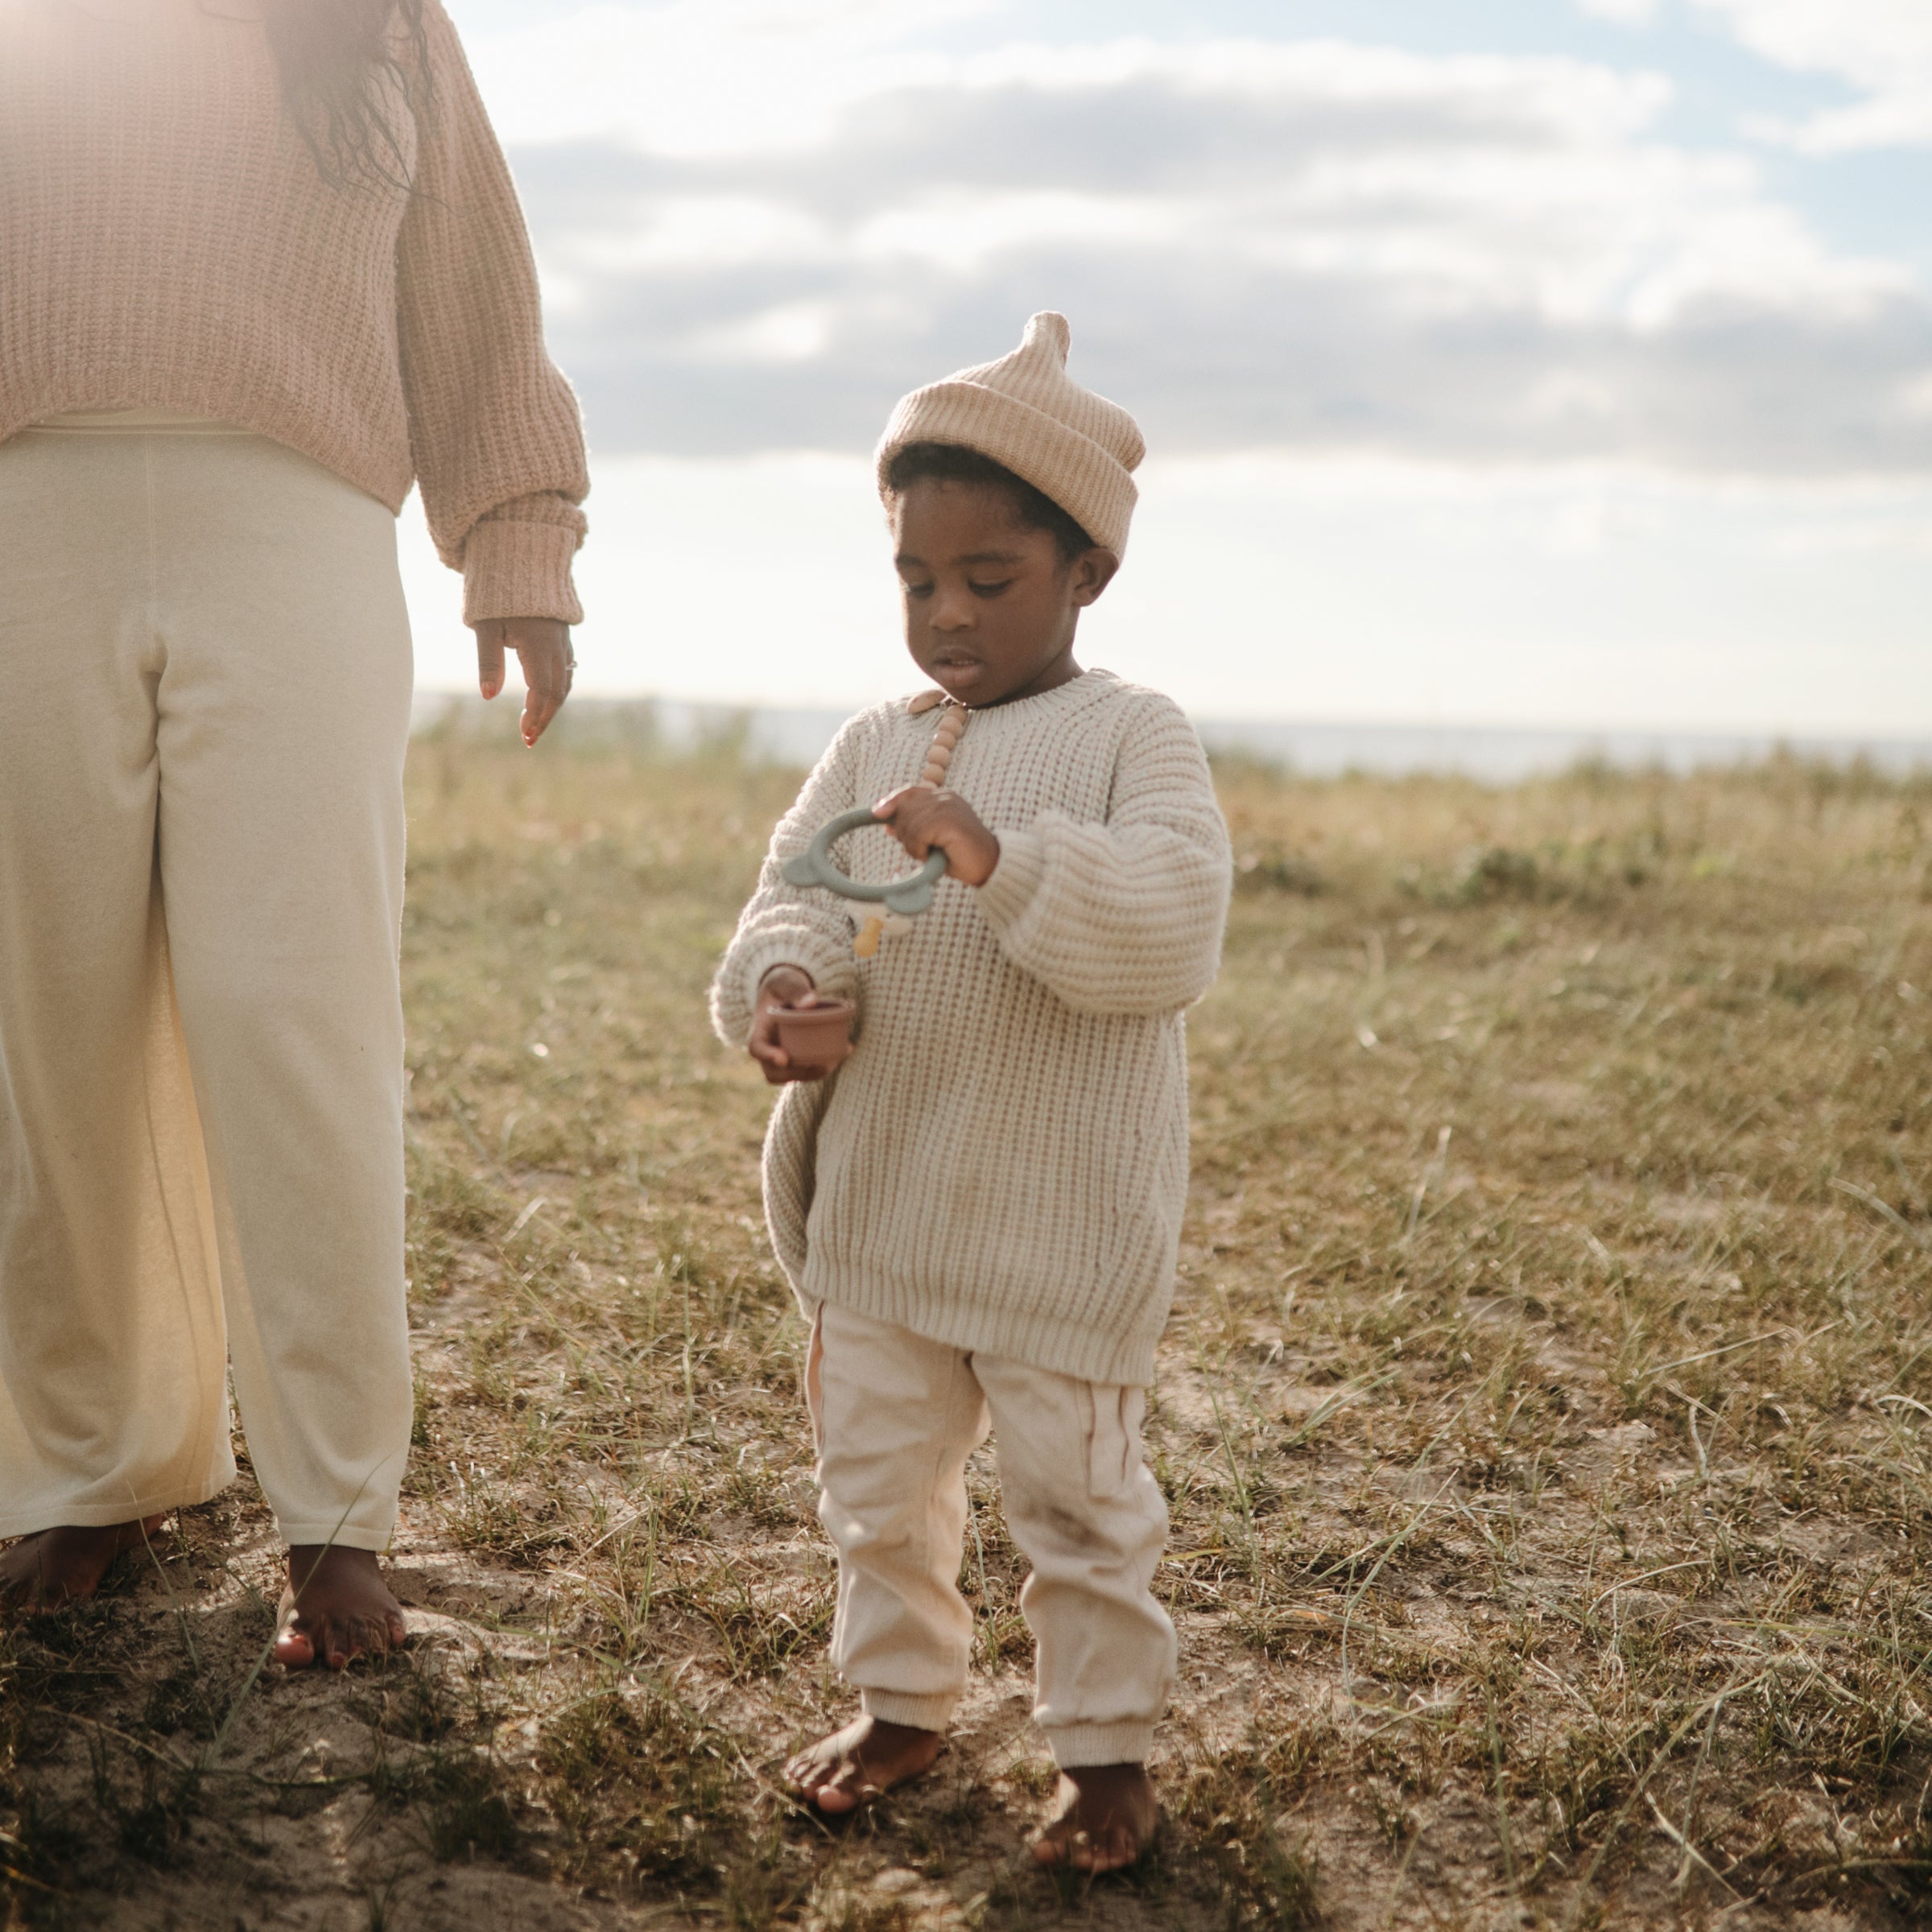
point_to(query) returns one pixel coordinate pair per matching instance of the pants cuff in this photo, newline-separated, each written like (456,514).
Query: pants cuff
(907,1707)
(1078,1746)
(108,1516)
(344,1536)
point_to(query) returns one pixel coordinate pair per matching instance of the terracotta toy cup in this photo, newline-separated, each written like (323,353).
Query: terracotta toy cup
(814,1034)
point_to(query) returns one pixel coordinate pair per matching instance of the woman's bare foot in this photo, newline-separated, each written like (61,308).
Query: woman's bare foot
(1104,1818)
(853,1766)
(63,1566)
(337,1607)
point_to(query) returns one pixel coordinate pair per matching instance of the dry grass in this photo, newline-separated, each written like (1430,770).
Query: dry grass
(1545,1417)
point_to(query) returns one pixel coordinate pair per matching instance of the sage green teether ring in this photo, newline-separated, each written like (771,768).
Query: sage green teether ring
(913,894)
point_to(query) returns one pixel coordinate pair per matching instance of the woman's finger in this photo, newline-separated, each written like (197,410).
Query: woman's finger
(543,694)
(490,659)
(544,650)
(538,709)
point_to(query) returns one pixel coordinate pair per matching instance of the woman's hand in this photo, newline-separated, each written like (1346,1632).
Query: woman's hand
(783,987)
(923,820)
(543,648)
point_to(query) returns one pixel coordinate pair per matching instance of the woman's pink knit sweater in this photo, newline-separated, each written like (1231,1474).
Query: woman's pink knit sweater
(168,242)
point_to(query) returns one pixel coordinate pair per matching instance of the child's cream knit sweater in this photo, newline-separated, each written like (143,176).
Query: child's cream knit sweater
(1002,1164)
(166,242)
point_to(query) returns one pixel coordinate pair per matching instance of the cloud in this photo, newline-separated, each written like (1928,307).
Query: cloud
(1268,585)
(1881,47)
(1625,13)
(707,77)
(1313,246)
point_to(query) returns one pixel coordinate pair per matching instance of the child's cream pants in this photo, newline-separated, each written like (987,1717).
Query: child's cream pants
(896,1417)
(205,664)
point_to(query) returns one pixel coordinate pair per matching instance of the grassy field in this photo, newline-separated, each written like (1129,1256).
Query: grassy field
(1546,1414)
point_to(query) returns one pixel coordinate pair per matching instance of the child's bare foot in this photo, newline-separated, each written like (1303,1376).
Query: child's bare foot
(337,1607)
(853,1766)
(1104,1818)
(62,1566)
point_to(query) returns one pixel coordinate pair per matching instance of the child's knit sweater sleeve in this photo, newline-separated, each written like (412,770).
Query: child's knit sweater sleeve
(1124,916)
(785,925)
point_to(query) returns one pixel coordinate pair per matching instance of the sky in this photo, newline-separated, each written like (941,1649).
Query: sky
(1538,362)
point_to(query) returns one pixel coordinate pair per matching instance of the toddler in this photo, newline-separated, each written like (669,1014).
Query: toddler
(979,1202)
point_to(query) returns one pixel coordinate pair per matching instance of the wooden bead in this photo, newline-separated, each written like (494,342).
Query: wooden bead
(945,738)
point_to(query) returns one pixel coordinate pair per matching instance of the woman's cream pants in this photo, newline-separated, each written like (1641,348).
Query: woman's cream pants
(204,691)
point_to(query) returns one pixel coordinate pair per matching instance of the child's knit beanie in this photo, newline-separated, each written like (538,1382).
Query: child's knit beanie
(1027,413)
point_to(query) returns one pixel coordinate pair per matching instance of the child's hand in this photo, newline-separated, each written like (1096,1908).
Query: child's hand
(786,986)
(923,820)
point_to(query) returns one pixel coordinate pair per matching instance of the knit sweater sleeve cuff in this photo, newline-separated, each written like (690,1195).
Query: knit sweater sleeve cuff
(519,570)
(833,970)
(1007,897)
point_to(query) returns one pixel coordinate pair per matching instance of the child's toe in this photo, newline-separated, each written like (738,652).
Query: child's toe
(835,1798)
(295,1650)
(1052,1848)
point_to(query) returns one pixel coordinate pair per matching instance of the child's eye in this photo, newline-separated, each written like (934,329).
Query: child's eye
(915,590)
(989,590)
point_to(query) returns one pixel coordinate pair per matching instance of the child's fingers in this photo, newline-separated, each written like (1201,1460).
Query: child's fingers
(804,1070)
(764,1041)
(819,1070)
(908,819)
(777,1065)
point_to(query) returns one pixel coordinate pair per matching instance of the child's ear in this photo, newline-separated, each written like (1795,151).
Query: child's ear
(1093,570)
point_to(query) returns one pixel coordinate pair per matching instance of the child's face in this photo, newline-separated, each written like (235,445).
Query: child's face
(991,606)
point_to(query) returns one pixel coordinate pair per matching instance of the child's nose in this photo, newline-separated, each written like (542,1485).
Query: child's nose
(952,612)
